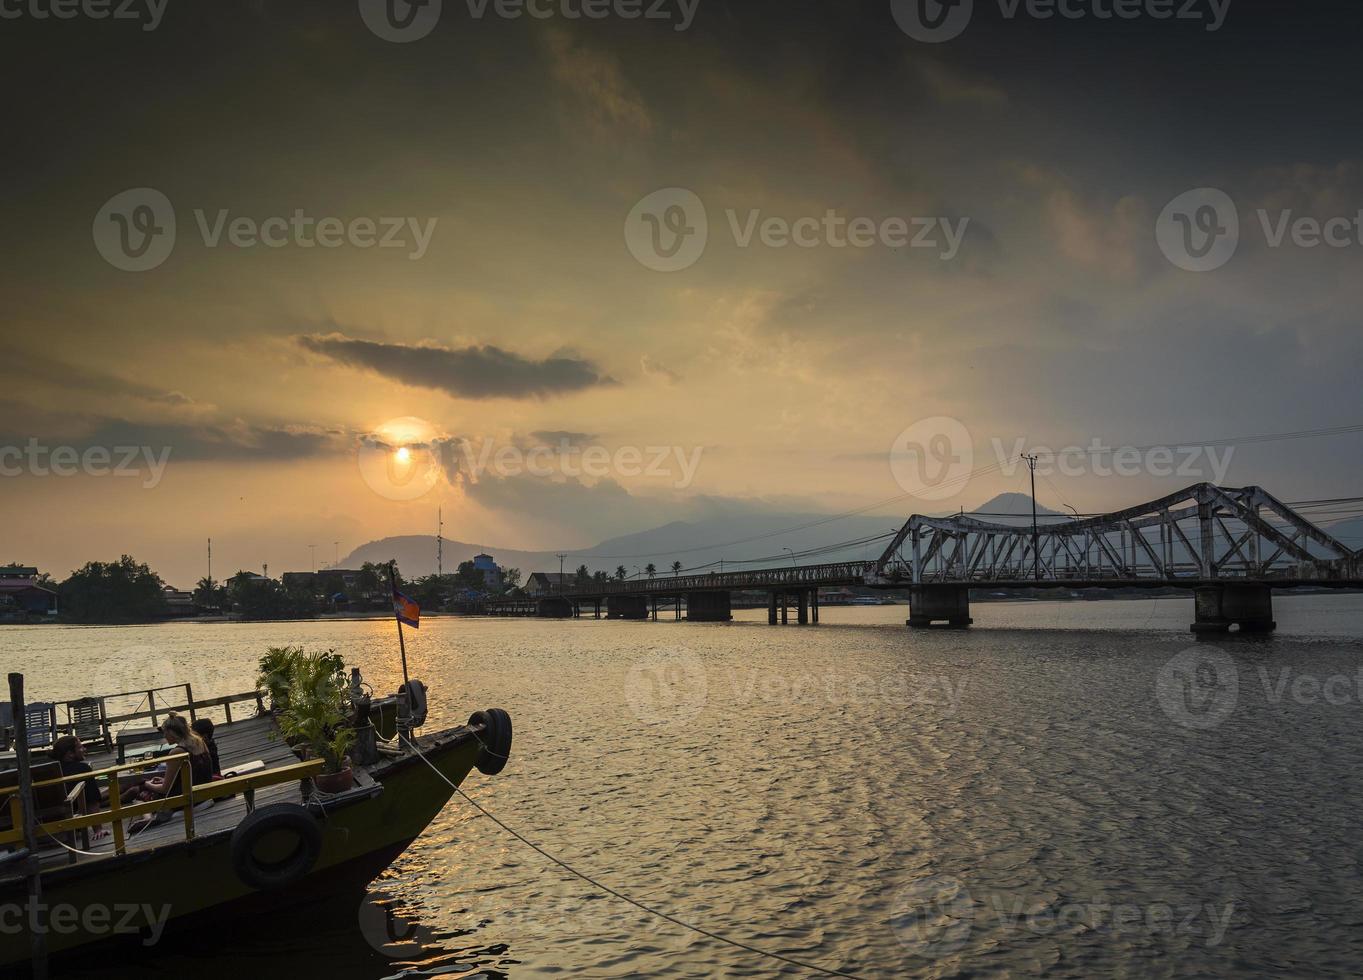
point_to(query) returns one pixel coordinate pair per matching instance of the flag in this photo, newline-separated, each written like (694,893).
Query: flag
(406,610)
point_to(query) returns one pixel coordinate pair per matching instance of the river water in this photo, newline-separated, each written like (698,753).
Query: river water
(1075,789)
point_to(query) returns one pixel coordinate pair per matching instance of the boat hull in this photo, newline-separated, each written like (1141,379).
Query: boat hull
(158,891)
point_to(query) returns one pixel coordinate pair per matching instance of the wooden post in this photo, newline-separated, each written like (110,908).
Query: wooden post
(34,873)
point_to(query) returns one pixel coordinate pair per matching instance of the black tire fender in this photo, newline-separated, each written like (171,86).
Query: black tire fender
(495,740)
(285,818)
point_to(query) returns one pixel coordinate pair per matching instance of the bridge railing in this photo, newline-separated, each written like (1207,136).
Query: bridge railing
(806,576)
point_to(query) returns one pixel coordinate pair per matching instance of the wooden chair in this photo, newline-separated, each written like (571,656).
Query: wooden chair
(40,723)
(87,720)
(58,802)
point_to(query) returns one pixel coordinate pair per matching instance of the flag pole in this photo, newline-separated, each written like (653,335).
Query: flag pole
(393,581)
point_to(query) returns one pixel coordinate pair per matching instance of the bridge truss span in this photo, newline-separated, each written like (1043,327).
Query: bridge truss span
(1201,534)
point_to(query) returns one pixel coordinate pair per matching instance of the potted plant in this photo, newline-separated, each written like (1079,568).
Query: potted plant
(276,669)
(317,715)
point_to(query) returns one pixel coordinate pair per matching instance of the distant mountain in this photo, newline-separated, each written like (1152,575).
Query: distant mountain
(742,540)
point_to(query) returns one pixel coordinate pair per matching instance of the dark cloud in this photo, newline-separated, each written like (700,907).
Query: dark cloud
(467,372)
(236,441)
(556,437)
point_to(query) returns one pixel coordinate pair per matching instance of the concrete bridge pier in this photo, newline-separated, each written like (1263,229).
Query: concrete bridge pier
(806,602)
(554,607)
(708,607)
(933,605)
(626,607)
(1219,607)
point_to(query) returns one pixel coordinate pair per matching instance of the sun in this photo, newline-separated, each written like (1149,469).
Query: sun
(403,454)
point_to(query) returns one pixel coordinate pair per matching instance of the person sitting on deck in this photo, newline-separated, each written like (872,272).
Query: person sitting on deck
(204,728)
(178,734)
(69,753)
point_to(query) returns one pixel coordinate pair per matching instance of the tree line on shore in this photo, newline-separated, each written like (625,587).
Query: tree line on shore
(128,591)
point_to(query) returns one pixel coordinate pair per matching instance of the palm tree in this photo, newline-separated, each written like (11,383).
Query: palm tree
(650,569)
(676,568)
(620,572)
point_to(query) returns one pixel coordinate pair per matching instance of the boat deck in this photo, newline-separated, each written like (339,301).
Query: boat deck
(241,742)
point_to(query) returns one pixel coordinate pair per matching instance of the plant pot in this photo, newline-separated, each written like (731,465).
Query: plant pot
(335,782)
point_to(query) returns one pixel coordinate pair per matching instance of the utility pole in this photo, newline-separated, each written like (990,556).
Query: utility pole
(439,542)
(1036,553)
(335,553)
(312,557)
(210,562)
(560,573)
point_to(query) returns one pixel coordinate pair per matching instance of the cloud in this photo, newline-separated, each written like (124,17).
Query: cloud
(29,366)
(596,79)
(235,440)
(467,372)
(658,372)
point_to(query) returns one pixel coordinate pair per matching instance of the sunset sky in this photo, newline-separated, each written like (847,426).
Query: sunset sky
(519,147)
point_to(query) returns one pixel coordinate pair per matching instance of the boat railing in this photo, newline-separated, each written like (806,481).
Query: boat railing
(185,702)
(118,811)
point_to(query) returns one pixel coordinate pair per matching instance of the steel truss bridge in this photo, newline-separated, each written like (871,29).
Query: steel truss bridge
(1231,547)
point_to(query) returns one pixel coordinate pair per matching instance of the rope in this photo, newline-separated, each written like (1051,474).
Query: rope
(625,898)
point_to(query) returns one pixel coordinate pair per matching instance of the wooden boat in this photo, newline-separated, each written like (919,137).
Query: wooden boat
(256,841)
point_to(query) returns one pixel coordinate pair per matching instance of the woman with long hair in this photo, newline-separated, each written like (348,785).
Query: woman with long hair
(176,732)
